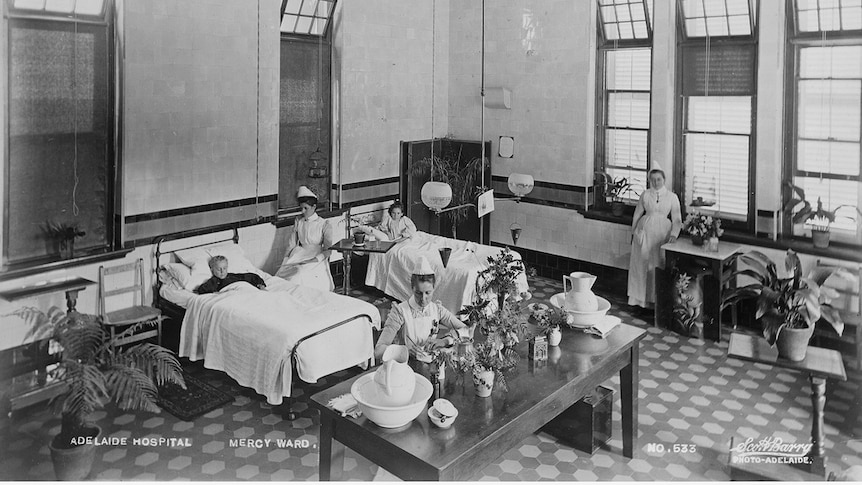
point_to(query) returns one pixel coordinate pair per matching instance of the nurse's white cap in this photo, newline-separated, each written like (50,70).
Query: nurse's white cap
(423,267)
(304,191)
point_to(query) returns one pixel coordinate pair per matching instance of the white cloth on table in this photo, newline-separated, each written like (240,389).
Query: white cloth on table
(309,240)
(651,229)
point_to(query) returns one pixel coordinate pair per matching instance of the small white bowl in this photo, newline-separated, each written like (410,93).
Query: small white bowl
(439,420)
(366,393)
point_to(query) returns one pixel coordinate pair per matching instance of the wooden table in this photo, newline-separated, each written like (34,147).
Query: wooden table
(346,247)
(488,427)
(820,364)
(721,264)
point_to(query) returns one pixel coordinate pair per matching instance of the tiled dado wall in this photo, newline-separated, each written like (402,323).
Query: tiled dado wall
(200,113)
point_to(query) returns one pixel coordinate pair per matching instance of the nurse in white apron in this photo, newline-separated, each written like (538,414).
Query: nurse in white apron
(419,320)
(306,261)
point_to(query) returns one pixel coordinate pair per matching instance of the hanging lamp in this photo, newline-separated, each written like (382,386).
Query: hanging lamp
(435,195)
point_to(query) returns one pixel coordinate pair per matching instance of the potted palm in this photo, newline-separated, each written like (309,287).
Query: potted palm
(95,371)
(615,190)
(819,219)
(788,303)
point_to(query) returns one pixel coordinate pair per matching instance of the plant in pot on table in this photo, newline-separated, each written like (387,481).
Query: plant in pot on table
(819,220)
(616,189)
(703,228)
(95,371)
(788,304)
(550,321)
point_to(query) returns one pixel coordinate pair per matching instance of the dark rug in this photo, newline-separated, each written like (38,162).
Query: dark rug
(198,398)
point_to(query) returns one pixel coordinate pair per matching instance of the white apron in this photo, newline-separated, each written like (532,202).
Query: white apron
(311,239)
(419,324)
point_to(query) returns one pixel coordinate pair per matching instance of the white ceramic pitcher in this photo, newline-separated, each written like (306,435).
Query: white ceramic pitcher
(395,379)
(580,297)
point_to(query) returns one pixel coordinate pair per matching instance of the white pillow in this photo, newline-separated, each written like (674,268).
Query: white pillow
(236,260)
(188,278)
(168,280)
(191,257)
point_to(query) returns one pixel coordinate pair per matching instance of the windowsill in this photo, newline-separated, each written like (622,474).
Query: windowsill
(16,271)
(845,252)
(599,214)
(288,219)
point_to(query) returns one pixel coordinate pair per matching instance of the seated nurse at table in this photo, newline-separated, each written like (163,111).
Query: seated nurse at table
(396,227)
(419,320)
(306,261)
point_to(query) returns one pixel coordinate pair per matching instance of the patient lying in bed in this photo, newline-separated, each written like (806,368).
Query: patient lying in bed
(221,278)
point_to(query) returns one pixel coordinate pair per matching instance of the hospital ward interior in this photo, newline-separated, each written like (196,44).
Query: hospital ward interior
(461,240)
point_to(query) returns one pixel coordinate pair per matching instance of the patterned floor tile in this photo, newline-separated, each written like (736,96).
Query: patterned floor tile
(689,394)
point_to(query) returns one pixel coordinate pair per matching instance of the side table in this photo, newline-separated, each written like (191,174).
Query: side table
(722,265)
(346,247)
(820,364)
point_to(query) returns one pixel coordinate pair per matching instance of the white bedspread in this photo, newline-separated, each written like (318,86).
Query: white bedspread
(249,333)
(456,284)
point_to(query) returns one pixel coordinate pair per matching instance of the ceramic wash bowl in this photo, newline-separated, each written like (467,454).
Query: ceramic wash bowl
(370,399)
(582,319)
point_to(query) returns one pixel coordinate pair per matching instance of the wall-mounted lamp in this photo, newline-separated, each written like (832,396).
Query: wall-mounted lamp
(520,184)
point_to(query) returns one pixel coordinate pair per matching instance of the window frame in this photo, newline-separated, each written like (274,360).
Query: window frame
(681,115)
(327,41)
(50,21)
(796,43)
(603,46)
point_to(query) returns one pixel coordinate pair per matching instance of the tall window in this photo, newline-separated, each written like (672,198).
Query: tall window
(624,105)
(305,120)
(717,66)
(826,144)
(59,167)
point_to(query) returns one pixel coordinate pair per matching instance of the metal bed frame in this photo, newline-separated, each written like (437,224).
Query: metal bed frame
(175,311)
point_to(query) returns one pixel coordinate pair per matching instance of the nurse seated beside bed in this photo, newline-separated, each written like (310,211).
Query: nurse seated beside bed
(419,322)
(396,227)
(306,261)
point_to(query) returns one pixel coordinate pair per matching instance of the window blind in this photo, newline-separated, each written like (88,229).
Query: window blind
(627,115)
(717,155)
(828,161)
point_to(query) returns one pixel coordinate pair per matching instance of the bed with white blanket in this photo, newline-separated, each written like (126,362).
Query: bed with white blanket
(259,337)
(456,283)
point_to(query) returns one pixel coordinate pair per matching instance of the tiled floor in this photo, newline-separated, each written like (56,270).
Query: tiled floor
(689,394)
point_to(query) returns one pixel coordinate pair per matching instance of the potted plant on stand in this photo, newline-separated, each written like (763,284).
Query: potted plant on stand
(819,220)
(95,371)
(615,190)
(788,304)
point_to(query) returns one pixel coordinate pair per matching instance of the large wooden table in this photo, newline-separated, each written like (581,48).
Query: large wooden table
(488,427)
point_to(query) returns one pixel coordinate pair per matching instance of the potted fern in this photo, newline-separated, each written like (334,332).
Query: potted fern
(95,371)
(819,219)
(788,304)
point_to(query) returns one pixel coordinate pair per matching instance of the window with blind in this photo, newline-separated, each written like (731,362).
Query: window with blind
(828,123)
(625,59)
(60,134)
(717,66)
(306,100)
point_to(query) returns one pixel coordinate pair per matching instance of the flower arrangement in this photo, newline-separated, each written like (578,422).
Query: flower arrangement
(500,278)
(702,226)
(486,358)
(549,318)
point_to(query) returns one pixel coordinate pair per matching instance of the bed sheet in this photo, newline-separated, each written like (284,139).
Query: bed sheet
(249,333)
(456,283)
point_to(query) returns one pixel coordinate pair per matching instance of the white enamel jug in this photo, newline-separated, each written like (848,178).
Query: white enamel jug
(580,297)
(395,379)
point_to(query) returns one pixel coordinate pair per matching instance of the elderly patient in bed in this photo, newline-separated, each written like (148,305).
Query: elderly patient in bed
(221,278)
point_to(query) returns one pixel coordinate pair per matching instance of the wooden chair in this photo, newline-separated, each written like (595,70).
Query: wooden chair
(119,320)
(849,305)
